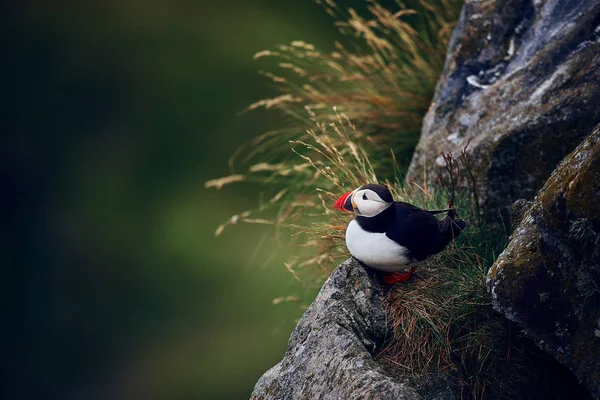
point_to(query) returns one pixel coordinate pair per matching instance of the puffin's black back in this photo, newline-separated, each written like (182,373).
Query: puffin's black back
(415,229)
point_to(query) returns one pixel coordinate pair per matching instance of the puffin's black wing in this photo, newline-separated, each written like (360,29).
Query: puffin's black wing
(416,229)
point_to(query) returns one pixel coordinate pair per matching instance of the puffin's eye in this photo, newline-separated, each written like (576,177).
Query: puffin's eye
(365,196)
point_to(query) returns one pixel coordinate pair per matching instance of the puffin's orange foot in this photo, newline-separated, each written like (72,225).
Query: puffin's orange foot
(394,277)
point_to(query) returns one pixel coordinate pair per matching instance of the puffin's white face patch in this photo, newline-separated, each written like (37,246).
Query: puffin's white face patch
(367,203)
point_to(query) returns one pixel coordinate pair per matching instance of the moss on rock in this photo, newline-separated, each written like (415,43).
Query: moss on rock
(548,277)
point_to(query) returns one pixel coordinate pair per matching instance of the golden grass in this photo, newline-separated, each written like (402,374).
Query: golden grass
(220,182)
(382,79)
(381,75)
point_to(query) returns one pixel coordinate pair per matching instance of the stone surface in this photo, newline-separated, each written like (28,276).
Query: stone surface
(522,81)
(330,352)
(548,278)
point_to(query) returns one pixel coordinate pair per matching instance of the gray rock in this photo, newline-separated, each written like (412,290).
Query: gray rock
(330,352)
(517,212)
(548,278)
(522,81)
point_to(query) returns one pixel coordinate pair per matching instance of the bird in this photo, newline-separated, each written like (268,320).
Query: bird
(394,236)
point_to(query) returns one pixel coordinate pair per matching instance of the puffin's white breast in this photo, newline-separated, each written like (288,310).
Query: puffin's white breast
(376,249)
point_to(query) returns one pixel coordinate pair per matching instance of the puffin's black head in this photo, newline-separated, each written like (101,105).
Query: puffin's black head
(380,190)
(368,200)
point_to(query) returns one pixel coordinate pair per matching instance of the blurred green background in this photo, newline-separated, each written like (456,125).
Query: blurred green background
(114,114)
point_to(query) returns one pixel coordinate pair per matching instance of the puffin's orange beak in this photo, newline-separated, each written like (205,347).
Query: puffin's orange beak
(344,203)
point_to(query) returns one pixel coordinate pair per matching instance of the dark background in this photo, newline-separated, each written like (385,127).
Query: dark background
(114,114)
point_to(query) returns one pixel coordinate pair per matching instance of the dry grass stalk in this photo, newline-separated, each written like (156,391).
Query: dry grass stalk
(220,182)
(382,77)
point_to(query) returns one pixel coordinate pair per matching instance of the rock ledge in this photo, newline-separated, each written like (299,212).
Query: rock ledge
(330,352)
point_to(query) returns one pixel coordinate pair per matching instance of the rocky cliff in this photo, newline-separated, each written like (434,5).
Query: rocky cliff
(548,278)
(522,81)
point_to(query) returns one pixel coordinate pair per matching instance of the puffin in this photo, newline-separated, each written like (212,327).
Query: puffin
(393,236)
